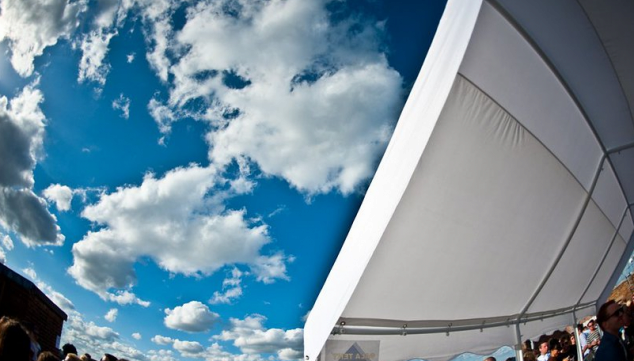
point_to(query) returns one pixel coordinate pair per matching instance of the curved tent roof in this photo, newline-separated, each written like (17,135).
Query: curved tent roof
(501,208)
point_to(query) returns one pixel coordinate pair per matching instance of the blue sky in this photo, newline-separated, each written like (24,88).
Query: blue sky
(179,176)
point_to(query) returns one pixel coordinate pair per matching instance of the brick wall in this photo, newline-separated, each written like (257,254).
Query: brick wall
(21,299)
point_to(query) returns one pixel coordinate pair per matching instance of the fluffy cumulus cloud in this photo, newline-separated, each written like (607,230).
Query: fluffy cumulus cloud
(231,288)
(61,195)
(190,317)
(22,125)
(162,340)
(188,348)
(306,98)
(252,337)
(94,45)
(94,48)
(32,25)
(136,336)
(176,221)
(111,315)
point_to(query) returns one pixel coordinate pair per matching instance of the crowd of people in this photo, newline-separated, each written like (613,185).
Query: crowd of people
(18,343)
(612,340)
(607,337)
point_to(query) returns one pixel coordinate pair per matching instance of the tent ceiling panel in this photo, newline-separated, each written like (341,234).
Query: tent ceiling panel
(562,31)
(606,270)
(485,196)
(593,237)
(609,196)
(507,68)
(623,162)
(613,23)
(627,227)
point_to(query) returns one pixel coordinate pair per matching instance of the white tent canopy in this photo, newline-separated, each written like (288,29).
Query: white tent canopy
(501,208)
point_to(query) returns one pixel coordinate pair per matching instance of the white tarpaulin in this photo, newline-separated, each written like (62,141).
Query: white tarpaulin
(501,208)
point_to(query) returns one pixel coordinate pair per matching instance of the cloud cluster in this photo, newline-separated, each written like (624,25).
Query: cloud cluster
(32,25)
(256,343)
(190,317)
(252,338)
(22,125)
(304,97)
(175,221)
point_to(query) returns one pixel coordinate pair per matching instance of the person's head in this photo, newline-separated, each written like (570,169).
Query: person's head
(47,356)
(69,348)
(573,340)
(85,357)
(543,348)
(15,343)
(554,346)
(611,317)
(564,341)
(490,358)
(108,357)
(72,357)
(592,325)
(529,356)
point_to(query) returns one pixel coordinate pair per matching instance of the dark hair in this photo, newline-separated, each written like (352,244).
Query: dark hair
(109,357)
(554,344)
(69,348)
(602,315)
(47,356)
(15,343)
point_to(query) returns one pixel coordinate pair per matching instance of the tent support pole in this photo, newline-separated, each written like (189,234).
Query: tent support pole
(519,355)
(578,344)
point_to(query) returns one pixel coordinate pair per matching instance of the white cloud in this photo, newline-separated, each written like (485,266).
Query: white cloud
(111,315)
(7,243)
(252,338)
(161,355)
(179,222)
(3,256)
(124,298)
(32,25)
(123,104)
(162,340)
(94,48)
(269,268)
(61,195)
(31,273)
(188,348)
(190,317)
(314,105)
(231,286)
(103,333)
(130,58)
(22,126)
(136,336)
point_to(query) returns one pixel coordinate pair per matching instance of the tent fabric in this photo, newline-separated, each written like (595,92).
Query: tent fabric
(501,208)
